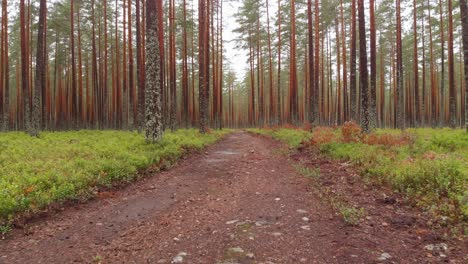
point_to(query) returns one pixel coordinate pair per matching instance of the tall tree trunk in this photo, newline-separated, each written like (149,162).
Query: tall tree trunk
(417,111)
(185,93)
(293,107)
(316,79)
(172,65)
(278,83)
(40,78)
(81,109)
(220,65)
(373,66)
(153,103)
(270,69)
(339,97)
(204,62)
(131,85)
(345,70)
(5,70)
(140,69)
(451,70)
(424,114)
(74,89)
(399,92)
(192,66)
(433,111)
(464,15)
(353,89)
(252,82)
(363,72)
(105,88)
(24,69)
(313,97)
(442,120)
(95,79)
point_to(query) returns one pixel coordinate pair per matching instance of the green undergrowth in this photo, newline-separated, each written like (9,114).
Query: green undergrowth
(62,166)
(428,165)
(292,137)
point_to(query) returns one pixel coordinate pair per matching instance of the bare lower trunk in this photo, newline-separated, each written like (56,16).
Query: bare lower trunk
(363,72)
(464,15)
(153,102)
(39,81)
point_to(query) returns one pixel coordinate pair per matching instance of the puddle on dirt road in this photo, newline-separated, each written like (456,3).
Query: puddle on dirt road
(214,160)
(226,152)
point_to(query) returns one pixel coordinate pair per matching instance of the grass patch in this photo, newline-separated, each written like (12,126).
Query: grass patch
(352,215)
(292,137)
(308,172)
(61,166)
(428,165)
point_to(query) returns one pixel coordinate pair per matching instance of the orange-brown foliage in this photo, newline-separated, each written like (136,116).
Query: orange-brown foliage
(323,135)
(351,132)
(388,140)
(307,126)
(289,126)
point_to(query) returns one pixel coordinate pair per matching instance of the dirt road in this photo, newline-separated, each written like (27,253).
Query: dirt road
(240,202)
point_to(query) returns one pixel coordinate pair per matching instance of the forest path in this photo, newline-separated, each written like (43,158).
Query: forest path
(241,201)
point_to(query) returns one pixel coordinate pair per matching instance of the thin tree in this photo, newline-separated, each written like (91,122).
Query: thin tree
(5,68)
(451,70)
(278,83)
(313,98)
(293,104)
(74,88)
(353,54)
(131,85)
(433,100)
(270,68)
(416,66)
(81,110)
(104,89)
(442,65)
(345,70)
(185,92)
(95,74)
(399,92)
(372,112)
(316,79)
(172,66)
(24,69)
(140,69)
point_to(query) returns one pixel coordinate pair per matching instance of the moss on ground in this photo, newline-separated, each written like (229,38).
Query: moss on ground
(61,166)
(428,165)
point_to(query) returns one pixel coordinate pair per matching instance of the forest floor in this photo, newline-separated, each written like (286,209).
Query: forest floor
(242,200)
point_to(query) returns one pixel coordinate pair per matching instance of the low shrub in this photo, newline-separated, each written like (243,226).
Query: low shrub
(60,166)
(430,165)
(351,132)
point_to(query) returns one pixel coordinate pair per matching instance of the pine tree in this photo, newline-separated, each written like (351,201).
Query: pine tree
(399,92)
(464,15)
(40,78)
(153,115)
(204,62)
(5,73)
(451,70)
(25,69)
(294,110)
(363,72)
(372,112)
(353,89)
